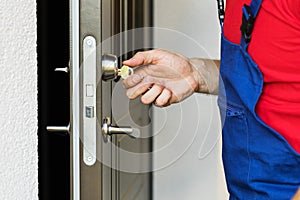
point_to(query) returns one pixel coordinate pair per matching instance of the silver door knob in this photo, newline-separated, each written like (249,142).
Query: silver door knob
(107,129)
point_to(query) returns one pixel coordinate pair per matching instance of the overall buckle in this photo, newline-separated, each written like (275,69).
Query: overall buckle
(247,23)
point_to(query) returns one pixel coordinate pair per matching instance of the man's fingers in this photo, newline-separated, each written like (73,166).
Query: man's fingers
(139,58)
(142,58)
(132,80)
(152,94)
(163,98)
(138,90)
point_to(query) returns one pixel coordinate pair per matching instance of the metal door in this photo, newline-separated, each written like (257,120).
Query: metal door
(106,162)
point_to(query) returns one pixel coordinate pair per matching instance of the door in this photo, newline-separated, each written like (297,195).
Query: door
(110,135)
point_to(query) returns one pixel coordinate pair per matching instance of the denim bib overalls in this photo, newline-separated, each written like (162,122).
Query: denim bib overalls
(258,161)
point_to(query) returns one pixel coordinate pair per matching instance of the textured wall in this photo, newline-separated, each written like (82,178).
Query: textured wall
(18,100)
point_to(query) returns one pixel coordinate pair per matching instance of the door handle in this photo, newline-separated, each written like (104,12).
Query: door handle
(62,69)
(65,129)
(108,129)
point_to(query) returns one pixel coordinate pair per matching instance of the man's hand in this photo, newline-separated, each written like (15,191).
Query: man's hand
(164,77)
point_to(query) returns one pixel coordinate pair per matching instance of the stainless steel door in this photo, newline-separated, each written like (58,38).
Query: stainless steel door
(107,165)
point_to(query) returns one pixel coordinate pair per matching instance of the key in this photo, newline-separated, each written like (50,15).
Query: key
(125,71)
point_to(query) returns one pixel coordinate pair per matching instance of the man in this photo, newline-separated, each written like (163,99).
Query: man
(259,96)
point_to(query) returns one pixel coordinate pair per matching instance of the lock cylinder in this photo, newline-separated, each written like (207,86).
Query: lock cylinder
(110,70)
(109,67)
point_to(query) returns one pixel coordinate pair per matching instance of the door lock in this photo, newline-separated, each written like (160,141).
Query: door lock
(89,99)
(110,69)
(107,129)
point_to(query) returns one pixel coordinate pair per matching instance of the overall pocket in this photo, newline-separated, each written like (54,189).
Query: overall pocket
(236,158)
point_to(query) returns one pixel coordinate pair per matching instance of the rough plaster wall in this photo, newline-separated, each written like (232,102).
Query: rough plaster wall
(18,100)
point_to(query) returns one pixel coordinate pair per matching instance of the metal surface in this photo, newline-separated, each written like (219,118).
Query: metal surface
(62,69)
(102,20)
(89,25)
(89,100)
(108,129)
(111,70)
(58,128)
(109,67)
(74,89)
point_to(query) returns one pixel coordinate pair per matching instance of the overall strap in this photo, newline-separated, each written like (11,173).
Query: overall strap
(221,11)
(255,6)
(248,19)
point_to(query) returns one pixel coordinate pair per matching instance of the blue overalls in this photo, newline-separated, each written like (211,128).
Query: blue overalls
(258,161)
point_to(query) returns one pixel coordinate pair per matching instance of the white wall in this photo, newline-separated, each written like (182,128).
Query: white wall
(18,100)
(187,135)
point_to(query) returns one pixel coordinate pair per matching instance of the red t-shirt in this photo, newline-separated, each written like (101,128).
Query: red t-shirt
(275,47)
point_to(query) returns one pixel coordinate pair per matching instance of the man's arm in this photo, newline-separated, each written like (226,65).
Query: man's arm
(208,73)
(167,77)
